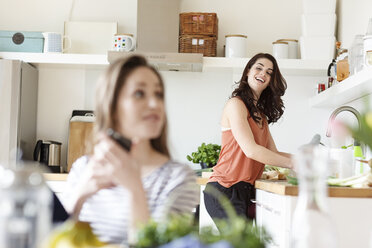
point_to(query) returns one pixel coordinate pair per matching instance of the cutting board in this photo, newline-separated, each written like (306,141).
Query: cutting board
(80,141)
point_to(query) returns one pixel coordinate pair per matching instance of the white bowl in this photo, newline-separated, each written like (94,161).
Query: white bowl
(318,24)
(319,48)
(319,6)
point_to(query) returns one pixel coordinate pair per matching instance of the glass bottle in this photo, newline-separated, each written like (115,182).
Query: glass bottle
(312,225)
(356,55)
(25,207)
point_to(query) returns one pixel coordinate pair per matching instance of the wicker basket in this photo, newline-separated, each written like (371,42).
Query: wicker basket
(198,23)
(207,45)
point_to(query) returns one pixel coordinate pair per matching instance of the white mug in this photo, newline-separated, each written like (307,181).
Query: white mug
(236,46)
(124,42)
(53,42)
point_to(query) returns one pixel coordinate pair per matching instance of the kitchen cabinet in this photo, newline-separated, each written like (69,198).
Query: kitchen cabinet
(349,210)
(205,219)
(350,89)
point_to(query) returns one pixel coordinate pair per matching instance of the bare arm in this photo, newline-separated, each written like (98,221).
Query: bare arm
(237,117)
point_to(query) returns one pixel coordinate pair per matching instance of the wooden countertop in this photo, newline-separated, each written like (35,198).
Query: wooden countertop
(55,176)
(63,177)
(281,187)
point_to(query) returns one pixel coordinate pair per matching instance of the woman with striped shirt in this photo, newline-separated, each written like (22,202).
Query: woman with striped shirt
(114,189)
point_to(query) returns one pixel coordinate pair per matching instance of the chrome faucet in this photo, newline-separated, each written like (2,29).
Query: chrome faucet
(336,112)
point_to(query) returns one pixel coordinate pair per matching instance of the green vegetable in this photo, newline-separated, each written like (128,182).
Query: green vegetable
(206,154)
(237,230)
(284,171)
(292,180)
(359,181)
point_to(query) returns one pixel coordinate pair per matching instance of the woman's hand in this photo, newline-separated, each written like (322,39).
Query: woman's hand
(117,164)
(95,178)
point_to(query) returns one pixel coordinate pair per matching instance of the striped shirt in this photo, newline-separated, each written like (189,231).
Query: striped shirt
(170,188)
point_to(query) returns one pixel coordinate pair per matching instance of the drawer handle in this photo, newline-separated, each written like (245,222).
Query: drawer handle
(268,208)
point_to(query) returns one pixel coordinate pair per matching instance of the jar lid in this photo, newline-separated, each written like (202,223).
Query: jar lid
(280,42)
(235,35)
(288,40)
(125,34)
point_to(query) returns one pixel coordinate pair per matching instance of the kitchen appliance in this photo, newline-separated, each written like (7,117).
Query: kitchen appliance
(18,110)
(48,152)
(164,61)
(19,41)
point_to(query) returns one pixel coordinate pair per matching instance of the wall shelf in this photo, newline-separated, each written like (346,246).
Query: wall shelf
(350,89)
(59,59)
(296,67)
(293,67)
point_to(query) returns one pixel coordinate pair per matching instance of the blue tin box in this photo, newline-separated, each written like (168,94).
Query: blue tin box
(18,41)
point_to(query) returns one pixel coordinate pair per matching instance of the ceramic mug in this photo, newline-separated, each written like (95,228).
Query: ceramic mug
(124,42)
(53,42)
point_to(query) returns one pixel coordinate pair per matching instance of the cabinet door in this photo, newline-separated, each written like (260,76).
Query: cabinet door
(272,214)
(204,218)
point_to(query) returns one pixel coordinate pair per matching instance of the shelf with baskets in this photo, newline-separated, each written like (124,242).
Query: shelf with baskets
(350,89)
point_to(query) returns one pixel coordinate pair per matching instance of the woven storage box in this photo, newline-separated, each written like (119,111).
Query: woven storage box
(198,23)
(207,45)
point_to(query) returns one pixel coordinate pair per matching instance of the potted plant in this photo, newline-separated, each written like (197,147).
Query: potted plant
(206,155)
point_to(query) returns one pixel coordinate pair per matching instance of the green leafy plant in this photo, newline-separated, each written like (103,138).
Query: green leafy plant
(237,230)
(206,155)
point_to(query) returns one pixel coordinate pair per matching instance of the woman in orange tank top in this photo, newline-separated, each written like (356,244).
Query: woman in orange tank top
(247,144)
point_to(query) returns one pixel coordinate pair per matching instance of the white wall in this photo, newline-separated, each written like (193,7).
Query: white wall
(194,100)
(353,18)
(50,15)
(262,21)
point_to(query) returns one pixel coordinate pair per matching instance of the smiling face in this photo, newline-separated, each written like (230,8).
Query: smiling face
(140,107)
(259,76)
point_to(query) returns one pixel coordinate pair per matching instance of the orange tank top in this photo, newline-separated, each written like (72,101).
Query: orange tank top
(233,166)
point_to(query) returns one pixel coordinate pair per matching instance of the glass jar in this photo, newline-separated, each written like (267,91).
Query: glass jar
(312,225)
(356,55)
(25,207)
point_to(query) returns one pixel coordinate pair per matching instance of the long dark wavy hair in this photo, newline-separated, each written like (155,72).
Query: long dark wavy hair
(270,103)
(107,95)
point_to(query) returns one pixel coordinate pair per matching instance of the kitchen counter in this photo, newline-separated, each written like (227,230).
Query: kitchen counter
(281,187)
(55,176)
(63,177)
